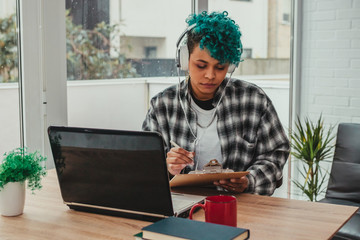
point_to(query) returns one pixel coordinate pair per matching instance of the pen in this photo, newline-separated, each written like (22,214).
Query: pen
(174,144)
(177,145)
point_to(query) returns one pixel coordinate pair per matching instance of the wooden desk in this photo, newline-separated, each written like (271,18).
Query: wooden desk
(46,217)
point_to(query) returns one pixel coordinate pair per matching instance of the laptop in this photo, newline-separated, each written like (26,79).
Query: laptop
(116,172)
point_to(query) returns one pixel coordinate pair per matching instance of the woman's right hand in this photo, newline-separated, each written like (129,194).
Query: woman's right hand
(177,158)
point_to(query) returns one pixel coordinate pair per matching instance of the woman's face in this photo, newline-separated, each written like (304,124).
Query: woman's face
(206,73)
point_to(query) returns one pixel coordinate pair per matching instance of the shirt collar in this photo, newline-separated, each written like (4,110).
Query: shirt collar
(185,90)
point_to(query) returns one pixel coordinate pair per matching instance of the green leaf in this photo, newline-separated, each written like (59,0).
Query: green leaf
(312,145)
(18,165)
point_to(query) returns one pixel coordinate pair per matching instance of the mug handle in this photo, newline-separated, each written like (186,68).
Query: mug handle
(194,207)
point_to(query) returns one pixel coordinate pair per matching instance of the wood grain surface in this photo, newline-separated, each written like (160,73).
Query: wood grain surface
(46,217)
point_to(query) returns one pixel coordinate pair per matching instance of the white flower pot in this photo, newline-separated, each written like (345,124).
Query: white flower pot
(12,199)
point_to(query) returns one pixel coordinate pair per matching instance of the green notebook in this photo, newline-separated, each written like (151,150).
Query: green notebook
(138,236)
(181,228)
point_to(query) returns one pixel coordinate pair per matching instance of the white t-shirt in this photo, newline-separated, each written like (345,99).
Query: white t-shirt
(208,146)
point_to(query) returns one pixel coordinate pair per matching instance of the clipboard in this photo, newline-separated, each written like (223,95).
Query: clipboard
(182,180)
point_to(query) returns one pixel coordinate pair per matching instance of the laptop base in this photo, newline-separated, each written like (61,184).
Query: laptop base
(115,213)
(146,218)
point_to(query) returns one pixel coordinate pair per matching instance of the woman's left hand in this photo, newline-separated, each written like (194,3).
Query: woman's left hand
(235,185)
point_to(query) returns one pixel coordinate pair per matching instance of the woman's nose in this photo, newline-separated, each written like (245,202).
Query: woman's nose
(210,73)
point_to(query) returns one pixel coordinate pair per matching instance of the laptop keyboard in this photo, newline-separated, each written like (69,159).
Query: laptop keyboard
(181,203)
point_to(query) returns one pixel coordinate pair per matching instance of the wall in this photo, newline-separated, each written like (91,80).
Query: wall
(329,79)
(114,104)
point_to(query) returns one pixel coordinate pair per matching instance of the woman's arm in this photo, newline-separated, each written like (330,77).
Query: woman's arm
(272,151)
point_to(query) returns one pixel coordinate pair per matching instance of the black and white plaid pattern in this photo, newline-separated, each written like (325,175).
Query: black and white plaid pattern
(251,135)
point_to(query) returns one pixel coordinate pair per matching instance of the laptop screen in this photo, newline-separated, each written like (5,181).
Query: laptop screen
(112,168)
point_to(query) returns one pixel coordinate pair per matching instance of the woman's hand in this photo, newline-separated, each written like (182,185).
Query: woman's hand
(235,185)
(177,158)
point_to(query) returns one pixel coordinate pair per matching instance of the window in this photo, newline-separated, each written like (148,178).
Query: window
(127,43)
(150,52)
(88,13)
(247,53)
(286,18)
(9,78)
(105,39)
(8,43)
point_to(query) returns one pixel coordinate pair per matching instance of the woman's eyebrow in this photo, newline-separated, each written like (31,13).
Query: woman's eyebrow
(200,60)
(203,61)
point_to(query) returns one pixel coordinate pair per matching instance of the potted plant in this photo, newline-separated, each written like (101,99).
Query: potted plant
(17,167)
(312,145)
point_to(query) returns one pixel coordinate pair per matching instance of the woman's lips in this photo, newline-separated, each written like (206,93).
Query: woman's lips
(208,85)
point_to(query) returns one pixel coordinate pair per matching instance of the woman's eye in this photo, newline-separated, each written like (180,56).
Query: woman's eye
(201,66)
(220,68)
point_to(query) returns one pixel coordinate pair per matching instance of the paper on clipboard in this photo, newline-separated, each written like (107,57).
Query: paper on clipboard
(182,180)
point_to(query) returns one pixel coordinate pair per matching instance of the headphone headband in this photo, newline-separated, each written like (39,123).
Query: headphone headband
(182,53)
(188,29)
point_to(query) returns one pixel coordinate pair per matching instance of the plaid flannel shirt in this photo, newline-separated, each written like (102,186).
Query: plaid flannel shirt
(251,135)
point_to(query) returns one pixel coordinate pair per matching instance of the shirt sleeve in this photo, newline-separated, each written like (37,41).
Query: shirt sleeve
(150,123)
(155,121)
(272,151)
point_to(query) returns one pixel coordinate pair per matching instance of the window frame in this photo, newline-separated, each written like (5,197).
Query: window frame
(42,82)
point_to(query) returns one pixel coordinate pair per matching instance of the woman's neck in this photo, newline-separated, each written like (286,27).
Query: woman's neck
(203,104)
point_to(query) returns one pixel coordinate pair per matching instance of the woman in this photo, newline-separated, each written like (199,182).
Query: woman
(213,117)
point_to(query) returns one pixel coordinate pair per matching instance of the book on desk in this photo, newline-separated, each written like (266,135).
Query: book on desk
(181,228)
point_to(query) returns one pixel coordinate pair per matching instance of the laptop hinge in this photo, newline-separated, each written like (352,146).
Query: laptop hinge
(115,209)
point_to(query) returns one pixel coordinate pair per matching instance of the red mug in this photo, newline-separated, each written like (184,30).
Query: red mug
(219,209)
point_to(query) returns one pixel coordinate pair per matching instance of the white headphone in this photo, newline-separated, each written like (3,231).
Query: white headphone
(182,62)
(182,52)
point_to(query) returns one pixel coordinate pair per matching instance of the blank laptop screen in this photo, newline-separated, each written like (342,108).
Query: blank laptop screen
(110,168)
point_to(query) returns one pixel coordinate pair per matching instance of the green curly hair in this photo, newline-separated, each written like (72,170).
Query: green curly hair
(218,33)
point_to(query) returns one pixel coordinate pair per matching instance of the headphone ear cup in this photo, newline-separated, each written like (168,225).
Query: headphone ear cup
(184,57)
(231,68)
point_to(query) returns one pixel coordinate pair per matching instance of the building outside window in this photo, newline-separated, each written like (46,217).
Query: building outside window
(119,32)
(150,52)
(247,53)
